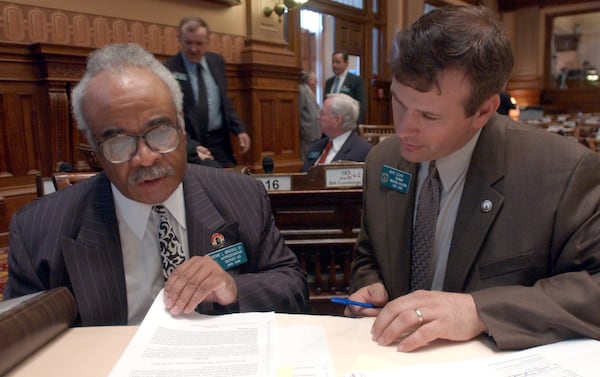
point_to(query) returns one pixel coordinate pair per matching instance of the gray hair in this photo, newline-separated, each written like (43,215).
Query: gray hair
(305,77)
(346,106)
(116,58)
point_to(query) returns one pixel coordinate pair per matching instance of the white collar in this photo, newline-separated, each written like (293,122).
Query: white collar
(451,167)
(136,214)
(339,140)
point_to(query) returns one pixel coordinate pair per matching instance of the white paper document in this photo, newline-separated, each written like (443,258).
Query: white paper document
(570,358)
(200,345)
(304,351)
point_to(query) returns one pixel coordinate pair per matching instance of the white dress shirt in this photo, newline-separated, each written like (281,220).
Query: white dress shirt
(138,230)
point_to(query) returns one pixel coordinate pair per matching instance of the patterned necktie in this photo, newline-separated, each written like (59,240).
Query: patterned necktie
(424,229)
(170,248)
(325,152)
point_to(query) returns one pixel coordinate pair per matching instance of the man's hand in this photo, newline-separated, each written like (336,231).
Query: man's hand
(204,153)
(244,141)
(373,294)
(421,317)
(197,280)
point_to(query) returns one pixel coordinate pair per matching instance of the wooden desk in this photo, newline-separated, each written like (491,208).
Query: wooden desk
(93,351)
(320,224)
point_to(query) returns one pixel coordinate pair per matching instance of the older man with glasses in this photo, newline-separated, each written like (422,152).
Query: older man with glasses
(337,120)
(150,220)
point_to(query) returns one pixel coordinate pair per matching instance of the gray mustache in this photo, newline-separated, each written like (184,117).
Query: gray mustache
(154,172)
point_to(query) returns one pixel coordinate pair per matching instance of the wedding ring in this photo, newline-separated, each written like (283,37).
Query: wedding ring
(419,316)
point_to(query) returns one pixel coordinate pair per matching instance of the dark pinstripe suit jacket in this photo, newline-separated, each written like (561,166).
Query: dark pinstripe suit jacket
(71,238)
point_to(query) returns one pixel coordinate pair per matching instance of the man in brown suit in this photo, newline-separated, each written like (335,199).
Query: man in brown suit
(101,237)
(516,248)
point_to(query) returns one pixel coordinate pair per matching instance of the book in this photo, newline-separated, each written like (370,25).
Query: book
(29,322)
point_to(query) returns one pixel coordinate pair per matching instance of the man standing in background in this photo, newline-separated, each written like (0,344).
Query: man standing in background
(346,82)
(209,113)
(309,112)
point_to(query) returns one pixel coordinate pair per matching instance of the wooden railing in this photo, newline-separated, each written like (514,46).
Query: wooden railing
(374,133)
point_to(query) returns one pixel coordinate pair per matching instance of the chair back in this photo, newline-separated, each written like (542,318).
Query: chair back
(374,133)
(90,156)
(593,144)
(66,179)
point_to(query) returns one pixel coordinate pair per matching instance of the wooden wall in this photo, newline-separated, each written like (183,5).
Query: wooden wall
(42,56)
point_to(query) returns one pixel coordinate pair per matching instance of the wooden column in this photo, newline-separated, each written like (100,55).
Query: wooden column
(60,67)
(269,74)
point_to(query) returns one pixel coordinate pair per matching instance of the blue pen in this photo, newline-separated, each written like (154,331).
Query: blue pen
(345,301)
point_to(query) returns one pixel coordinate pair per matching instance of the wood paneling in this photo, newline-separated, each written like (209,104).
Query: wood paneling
(349,36)
(571,101)
(272,103)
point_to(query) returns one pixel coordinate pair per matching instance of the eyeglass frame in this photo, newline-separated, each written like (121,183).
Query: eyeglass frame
(136,138)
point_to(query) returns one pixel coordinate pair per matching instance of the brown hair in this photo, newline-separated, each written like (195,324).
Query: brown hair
(468,38)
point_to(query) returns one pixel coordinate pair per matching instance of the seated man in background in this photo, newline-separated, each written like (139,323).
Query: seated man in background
(338,123)
(149,219)
(489,226)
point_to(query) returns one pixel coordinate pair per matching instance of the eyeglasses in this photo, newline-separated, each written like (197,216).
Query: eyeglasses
(122,147)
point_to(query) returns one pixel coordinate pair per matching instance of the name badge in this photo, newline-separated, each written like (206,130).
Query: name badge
(230,256)
(395,179)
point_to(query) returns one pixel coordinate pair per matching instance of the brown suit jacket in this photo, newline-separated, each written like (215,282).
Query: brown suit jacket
(71,238)
(532,263)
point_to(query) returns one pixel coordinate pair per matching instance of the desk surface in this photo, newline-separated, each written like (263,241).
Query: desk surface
(93,351)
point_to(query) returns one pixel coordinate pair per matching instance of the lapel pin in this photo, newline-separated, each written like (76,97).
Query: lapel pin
(217,240)
(486,205)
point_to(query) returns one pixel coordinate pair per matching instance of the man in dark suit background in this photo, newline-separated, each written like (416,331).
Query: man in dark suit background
(100,237)
(345,82)
(209,114)
(514,250)
(337,120)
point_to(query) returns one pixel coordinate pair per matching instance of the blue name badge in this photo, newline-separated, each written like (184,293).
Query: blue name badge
(395,179)
(230,256)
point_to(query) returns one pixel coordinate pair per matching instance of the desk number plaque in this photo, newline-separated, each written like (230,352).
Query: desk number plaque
(276,182)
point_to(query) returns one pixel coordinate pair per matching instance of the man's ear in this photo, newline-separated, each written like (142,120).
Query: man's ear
(487,110)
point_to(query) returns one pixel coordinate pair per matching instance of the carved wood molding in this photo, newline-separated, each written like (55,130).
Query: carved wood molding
(31,24)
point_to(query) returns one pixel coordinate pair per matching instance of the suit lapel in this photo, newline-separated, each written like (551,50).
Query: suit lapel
(315,152)
(192,113)
(345,149)
(203,218)
(186,87)
(399,209)
(94,261)
(485,172)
